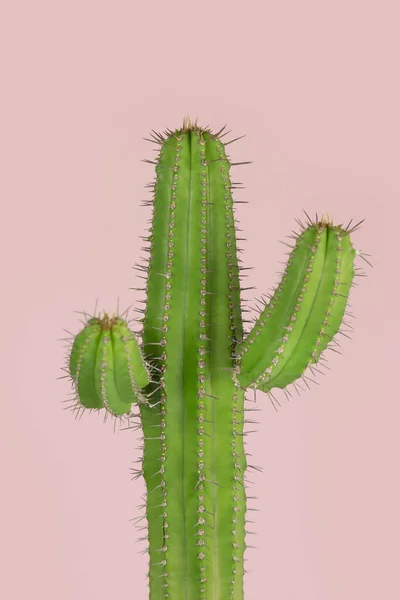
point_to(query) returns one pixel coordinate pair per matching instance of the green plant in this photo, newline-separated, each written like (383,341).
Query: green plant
(189,372)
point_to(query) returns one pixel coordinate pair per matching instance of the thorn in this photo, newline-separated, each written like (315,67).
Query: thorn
(308,218)
(300,224)
(355,227)
(226,133)
(218,134)
(363,255)
(152,141)
(234,140)
(286,244)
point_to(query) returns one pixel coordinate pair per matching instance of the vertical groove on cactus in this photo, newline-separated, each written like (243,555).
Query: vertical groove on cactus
(189,373)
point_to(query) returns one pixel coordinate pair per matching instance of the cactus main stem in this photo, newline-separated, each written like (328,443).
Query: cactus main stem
(194,459)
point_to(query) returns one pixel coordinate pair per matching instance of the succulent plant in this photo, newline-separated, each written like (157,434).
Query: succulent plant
(188,368)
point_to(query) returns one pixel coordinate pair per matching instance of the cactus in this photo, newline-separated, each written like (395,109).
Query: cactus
(187,370)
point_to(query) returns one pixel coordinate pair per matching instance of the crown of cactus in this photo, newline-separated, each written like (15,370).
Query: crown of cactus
(187,370)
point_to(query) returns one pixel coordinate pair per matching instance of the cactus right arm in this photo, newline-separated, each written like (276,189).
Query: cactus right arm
(304,313)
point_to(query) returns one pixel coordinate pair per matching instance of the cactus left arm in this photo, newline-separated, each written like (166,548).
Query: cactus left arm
(107,367)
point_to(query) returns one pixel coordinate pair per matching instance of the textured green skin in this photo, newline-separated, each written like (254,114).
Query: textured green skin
(201,364)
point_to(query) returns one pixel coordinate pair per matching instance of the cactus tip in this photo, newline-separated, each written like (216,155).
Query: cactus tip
(188,124)
(326,220)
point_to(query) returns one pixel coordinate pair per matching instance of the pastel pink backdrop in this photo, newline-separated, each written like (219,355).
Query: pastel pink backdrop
(314,85)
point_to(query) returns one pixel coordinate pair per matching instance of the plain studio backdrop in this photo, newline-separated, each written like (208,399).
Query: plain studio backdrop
(314,85)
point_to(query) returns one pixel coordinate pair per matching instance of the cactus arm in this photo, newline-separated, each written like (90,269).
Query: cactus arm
(304,313)
(107,367)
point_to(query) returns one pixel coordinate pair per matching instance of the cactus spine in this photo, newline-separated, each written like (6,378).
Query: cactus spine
(189,373)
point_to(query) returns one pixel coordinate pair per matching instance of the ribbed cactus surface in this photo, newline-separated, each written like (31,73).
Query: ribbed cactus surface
(189,368)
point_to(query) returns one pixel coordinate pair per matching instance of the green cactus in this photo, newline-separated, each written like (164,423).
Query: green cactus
(189,372)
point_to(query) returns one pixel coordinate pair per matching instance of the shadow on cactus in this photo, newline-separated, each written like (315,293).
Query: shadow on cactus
(188,368)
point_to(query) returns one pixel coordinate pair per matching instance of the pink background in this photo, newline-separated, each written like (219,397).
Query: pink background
(314,85)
